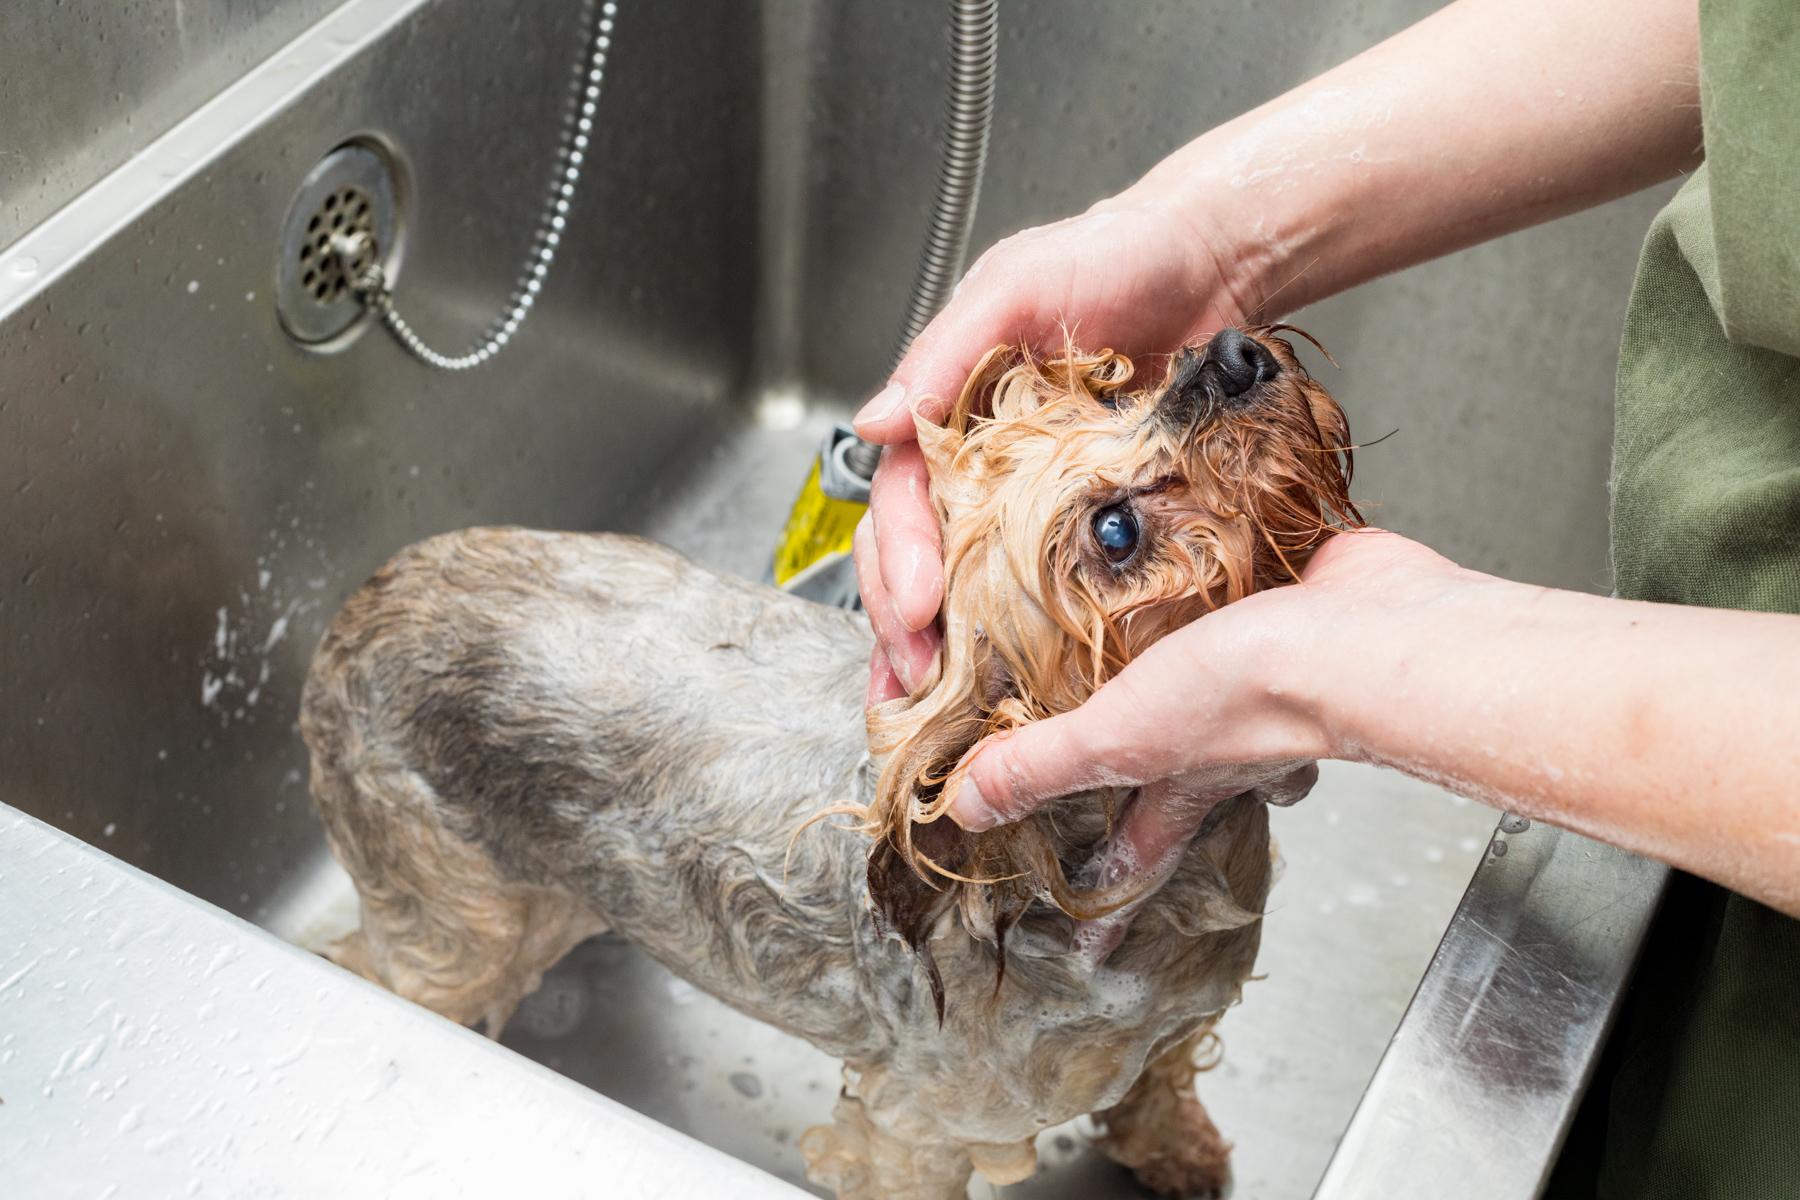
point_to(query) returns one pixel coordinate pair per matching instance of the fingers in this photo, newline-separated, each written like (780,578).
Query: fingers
(884,685)
(908,547)
(1153,832)
(1290,788)
(880,419)
(900,573)
(1148,844)
(1120,737)
(1012,774)
(907,653)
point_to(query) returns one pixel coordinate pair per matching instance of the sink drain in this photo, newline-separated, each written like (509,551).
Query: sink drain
(349,200)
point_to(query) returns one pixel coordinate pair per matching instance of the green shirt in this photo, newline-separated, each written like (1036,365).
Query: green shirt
(1698,1093)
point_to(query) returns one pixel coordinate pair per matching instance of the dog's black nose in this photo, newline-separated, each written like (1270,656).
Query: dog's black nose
(1238,362)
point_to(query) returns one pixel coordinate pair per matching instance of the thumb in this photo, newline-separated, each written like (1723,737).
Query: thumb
(1107,741)
(1012,774)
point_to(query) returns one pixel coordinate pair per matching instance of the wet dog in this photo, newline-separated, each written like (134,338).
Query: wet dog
(521,739)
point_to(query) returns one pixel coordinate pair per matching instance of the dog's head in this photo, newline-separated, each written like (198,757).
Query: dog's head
(1082,521)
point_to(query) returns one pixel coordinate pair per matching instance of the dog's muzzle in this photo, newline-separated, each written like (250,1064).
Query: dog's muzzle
(1222,375)
(1236,363)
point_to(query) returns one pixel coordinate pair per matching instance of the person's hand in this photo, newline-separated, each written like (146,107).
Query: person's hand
(1223,706)
(1135,273)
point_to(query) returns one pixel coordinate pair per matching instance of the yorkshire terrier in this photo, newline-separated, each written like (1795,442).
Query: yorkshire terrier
(522,739)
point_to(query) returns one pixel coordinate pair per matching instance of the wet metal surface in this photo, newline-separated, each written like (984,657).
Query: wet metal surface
(1373,865)
(152,1046)
(1482,1077)
(85,84)
(189,495)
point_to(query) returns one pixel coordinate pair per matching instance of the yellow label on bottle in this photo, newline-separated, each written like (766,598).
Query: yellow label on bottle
(817,525)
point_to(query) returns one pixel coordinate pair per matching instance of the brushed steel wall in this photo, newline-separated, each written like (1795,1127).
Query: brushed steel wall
(86,83)
(188,495)
(1495,365)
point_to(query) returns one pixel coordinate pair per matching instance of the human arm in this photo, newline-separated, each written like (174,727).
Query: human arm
(1671,731)
(1486,117)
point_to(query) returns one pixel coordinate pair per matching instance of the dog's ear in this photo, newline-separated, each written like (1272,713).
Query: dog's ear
(940,444)
(1334,427)
(1328,418)
(1334,437)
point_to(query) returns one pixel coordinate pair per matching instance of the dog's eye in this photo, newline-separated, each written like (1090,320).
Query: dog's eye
(1117,532)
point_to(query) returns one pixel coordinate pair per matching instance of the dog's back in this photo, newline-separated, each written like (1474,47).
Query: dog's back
(521,738)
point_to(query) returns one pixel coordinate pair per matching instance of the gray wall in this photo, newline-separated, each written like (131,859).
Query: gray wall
(86,83)
(1495,365)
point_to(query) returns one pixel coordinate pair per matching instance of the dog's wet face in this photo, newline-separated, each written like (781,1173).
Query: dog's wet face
(1082,521)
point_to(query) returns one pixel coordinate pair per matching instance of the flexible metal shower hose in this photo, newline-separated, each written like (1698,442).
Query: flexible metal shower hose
(968,118)
(371,284)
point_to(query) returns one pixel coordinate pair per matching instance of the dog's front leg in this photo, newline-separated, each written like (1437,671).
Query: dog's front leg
(880,1154)
(1160,1130)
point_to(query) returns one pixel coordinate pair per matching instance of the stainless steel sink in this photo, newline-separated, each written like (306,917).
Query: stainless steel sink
(188,494)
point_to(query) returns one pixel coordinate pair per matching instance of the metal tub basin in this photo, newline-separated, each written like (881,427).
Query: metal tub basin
(189,494)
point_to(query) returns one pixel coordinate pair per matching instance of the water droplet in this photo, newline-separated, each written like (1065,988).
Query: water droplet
(24,267)
(1497,848)
(746,1085)
(1514,823)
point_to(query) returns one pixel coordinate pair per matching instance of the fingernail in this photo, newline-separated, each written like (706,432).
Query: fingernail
(884,685)
(900,660)
(912,567)
(969,808)
(888,401)
(903,672)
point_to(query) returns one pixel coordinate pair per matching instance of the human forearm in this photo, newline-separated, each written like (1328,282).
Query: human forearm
(1486,117)
(1489,116)
(1671,731)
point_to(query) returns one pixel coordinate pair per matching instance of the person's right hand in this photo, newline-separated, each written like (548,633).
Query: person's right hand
(1135,273)
(1244,699)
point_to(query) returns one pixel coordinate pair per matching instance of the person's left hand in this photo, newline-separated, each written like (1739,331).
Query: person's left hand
(1226,705)
(1145,272)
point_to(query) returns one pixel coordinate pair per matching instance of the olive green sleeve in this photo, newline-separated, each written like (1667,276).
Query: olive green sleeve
(1750,85)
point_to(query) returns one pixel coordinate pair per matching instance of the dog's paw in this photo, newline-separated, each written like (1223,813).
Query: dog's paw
(1186,1157)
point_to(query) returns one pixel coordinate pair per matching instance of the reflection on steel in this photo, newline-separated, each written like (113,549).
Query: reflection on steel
(1479,1085)
(155,1046)
(86,84)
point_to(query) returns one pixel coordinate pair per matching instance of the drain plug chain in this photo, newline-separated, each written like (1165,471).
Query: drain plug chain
(370,284)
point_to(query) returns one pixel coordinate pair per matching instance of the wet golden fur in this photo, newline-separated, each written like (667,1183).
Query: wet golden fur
(520,739)
(1230,498)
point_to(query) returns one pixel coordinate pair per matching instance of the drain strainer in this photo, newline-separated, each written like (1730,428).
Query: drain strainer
(350,199)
